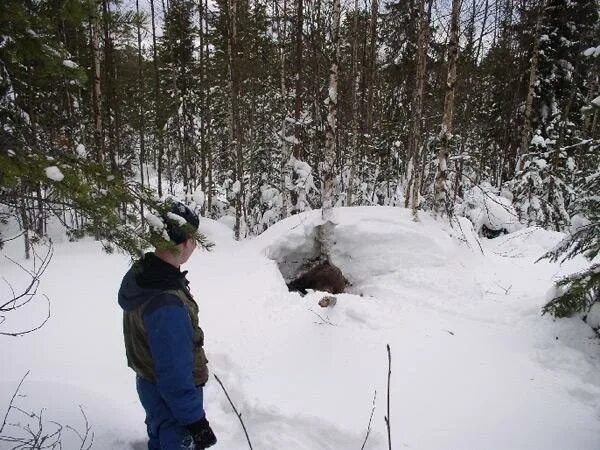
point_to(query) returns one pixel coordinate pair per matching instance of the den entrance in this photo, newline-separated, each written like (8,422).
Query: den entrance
(309,267)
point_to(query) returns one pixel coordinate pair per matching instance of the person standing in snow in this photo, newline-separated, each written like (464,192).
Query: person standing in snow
(163,341)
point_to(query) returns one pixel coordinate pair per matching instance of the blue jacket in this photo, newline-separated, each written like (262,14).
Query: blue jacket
(163,341)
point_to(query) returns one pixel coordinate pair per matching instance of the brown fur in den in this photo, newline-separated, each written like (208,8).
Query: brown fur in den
(323,277)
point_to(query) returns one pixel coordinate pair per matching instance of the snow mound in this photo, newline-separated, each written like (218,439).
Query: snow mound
(483,207)
(531,242)
(593,317)
(416,253)
(227,221)
(215,231)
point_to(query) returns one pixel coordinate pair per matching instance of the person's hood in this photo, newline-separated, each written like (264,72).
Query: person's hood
(146,278)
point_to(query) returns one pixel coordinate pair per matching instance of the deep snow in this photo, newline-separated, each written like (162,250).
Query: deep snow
(474,365)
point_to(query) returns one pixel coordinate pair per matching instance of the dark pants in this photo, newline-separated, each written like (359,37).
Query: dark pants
(164,432)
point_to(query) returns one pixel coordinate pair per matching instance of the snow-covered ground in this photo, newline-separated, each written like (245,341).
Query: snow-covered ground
(474,365)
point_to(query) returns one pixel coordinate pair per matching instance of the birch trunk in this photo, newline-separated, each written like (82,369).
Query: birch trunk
(112,113)
(285,152)
(414,166)
(298,153)
(371,69)
(331,126)
(157,122)
(355,71)
(440,188)
(97,87)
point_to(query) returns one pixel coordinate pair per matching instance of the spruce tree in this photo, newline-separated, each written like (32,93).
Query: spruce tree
(44,171)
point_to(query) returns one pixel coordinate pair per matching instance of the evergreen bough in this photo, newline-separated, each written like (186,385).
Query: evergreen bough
(579,291)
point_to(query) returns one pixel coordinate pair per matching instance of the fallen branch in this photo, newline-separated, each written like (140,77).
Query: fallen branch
(238,414)
(370,420)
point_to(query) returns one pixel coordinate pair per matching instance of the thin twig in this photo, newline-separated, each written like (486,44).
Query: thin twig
(370,420)
(31,330)
(12,238)
(34,433)
(10,405)
(387,417)
(324,321)
(31,289)
(238,414)
(28,293)
(506,290)
(84,438)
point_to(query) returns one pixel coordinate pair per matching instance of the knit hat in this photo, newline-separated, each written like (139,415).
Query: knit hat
(181,222)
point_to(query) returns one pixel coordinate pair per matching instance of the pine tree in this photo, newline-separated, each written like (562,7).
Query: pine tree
(179,87)
(43,170)
(579,291)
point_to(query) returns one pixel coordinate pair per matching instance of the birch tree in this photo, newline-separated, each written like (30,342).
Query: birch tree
(440,187)
(330,154)
(158,133)
(355,80)
(97,83)
(415,143)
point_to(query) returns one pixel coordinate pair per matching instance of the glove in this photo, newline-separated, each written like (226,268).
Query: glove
(202,434)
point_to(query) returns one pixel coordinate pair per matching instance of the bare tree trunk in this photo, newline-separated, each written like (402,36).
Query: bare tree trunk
(25,222)
(141,104)
(356,74)
(202,14)
(235,126)
(440,189)
(298,148)
(590,117)
(282,34)
(157,122)
(96,91)
(530,89)
(331,128)
(414,169)
(317,46)
(110,91)
(183,160)
(483,24)
(41,220)
(209,163)
(285,154)
(370,76)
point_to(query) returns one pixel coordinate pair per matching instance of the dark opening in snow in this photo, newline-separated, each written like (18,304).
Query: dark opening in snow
(323,276)
(304,265)
(491,233)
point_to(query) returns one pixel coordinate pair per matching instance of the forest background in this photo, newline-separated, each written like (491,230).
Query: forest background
(260,109)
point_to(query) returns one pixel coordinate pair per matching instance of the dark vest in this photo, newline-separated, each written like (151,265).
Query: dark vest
(137,349)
